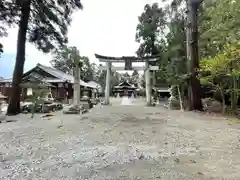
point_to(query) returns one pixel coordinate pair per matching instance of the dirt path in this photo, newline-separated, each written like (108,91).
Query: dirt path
(120,142)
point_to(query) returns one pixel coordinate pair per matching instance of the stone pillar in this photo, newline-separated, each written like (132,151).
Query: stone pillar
(148,84)
(76,86)
(93,93)
(108,81)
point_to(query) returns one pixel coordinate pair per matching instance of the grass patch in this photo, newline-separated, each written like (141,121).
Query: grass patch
(233,121)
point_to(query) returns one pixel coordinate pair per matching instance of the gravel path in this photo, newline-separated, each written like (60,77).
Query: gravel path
(120,142)
(126,101)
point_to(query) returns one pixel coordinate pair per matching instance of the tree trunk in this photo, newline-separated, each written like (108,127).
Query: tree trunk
(14,103)
(194,87)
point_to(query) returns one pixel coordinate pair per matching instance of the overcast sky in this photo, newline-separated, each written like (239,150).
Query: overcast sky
(106,27)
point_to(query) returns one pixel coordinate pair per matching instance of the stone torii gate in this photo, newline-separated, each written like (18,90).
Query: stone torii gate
(150,62)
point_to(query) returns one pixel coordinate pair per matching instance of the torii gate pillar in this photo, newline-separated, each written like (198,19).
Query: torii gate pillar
(148,84)
(108,81)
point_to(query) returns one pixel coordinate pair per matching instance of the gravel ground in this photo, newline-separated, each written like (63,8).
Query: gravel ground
(120,142)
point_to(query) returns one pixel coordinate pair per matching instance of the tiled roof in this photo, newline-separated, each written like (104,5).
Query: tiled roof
(54,80)
(94,84)
(5,80)
(61,75)
(126,84)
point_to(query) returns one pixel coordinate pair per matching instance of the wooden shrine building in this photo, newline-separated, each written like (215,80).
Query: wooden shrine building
(60,84)
(124,89)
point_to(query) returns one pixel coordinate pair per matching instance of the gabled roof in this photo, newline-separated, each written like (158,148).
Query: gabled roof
(124,83)
(94,84)
(35,82)
(56,76)
(59,75)
(5,80)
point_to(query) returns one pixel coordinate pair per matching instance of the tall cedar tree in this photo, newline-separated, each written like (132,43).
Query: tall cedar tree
(44,23)
(194,87)
(148,30)
(150,25)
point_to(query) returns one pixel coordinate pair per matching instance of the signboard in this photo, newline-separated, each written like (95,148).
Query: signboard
(128,65)
(153,68)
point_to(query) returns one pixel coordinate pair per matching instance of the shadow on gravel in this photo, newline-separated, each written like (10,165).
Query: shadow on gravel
(139,121)
(8,121)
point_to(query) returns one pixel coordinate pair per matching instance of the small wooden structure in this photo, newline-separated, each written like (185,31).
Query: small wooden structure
(124,89)
(150,65)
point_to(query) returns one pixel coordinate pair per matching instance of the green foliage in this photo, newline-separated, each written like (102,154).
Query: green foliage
(219,47)
(220,23)
(135,73)
(100,77)
(47,23)
(87,70)
(135,78)
(37,93)
(223,63)
(41,22)
(62,59)
(173,65)
(151,23)
(176,70)
(68,57)
(223,72)
(115,79)
(169,45)
(6,19)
